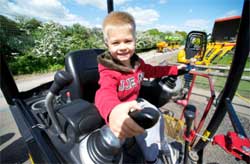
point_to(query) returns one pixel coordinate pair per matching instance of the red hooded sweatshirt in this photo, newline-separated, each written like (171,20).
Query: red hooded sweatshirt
(118,86)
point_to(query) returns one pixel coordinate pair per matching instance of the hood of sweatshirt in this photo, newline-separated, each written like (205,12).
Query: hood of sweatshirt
(109,62)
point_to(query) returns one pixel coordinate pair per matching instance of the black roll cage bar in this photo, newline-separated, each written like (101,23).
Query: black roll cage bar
(239,61)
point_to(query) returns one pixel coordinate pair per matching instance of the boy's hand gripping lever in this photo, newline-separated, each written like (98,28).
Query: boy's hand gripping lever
(172,84)
(102,146)
(146,118)
(61,80)
(184,71)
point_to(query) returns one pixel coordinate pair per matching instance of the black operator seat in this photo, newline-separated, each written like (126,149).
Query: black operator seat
(82,64)
(80,117)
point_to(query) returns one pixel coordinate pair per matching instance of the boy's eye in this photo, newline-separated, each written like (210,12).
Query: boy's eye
(115,43)
(128,41)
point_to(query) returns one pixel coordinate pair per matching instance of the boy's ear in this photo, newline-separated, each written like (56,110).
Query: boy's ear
(106,44)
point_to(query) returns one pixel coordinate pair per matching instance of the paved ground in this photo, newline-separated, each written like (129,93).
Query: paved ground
(13,149)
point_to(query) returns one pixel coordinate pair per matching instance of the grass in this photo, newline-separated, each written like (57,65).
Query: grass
(219,82)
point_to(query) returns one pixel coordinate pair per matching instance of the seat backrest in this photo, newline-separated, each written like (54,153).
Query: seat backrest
(82,64)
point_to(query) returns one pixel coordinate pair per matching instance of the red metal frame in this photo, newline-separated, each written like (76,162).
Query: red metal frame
(227,18)
(201,122)
(234,144)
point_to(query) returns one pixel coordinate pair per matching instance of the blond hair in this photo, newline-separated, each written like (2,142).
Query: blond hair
(118,19)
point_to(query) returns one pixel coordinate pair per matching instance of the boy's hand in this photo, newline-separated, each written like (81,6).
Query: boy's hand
(121,124)
(181,66)
(193,60)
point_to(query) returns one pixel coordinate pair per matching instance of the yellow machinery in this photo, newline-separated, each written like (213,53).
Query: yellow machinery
(195,47)
(174,127)
(161,45)
(222,41)
(170,43)
(217,50)
(167,46)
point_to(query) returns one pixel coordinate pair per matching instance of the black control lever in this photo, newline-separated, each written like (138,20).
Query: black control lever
(189,115)
(61,80)
(104,147)
(146,118)
(169,81)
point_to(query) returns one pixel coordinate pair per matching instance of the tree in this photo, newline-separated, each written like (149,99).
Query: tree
(28,24)
(183,34)
(51,42)
(11,37)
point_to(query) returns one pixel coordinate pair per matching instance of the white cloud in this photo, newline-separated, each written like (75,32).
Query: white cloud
(143,16)
(165,28)
(189,25)
(162,1)
(197,24)
(44,10)
(101,4)
(230,13)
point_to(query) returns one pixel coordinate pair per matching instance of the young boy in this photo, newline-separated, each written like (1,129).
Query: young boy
(121,73)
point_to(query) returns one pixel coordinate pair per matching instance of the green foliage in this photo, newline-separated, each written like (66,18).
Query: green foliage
(30,63)
(156,33)
(153,32)
(28,24)
(82,37)
(182,33)
(96,38)
(27,64)
(51,42)
(54,67)
(76,35)
(146,40)
(13,39)
(33,46)
(174,37)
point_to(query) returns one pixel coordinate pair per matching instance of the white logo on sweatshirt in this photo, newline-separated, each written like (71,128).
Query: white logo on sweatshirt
(129,83)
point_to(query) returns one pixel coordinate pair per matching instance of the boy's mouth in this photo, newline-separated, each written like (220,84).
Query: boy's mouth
(123,56)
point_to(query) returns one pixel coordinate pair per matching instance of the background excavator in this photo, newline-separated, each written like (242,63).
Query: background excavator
(170,43)
(222,41)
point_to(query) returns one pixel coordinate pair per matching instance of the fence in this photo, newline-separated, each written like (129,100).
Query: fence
(200,68)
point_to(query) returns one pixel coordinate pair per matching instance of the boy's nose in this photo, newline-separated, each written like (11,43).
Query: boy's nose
(123,46)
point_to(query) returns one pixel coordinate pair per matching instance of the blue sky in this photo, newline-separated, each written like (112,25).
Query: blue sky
(165,15)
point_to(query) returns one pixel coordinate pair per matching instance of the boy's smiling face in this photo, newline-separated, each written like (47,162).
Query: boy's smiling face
(121,44)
